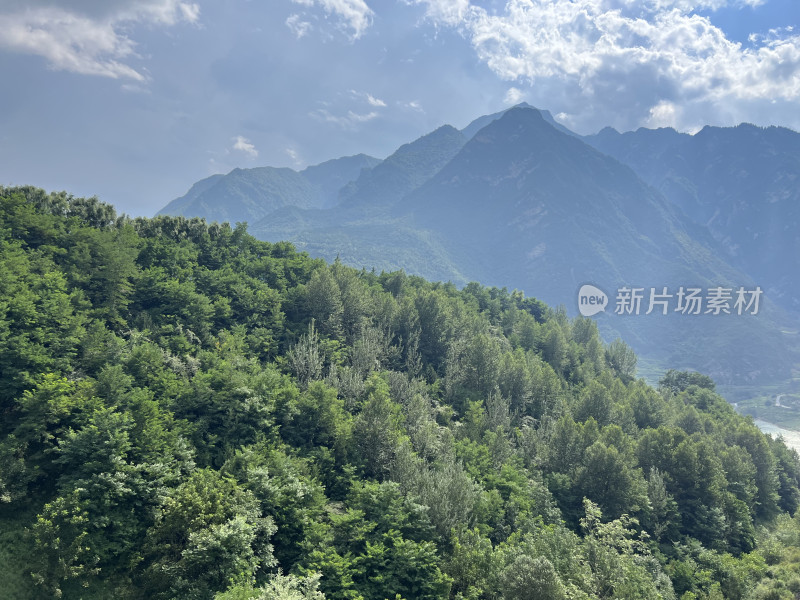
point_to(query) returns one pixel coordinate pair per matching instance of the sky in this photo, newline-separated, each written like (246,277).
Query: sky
(135,100)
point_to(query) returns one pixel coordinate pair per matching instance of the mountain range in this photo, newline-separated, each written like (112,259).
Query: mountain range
(742,183)
(517,200)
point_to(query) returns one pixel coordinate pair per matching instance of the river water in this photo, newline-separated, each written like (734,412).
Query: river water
(792,438)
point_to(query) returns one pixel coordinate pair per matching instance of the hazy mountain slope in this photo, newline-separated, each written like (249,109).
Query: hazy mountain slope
(185,205)
(332,175)
(251,194)
(555,201)
(359,231)
(247,195)
(741,182)
(405,170)
(641,149)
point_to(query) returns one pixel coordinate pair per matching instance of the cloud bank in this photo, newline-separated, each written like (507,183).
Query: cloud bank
(624,62)
(633,63)
(86,36)
(658,61)
(354,15)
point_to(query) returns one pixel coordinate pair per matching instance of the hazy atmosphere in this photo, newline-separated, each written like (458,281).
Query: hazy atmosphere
(133,101)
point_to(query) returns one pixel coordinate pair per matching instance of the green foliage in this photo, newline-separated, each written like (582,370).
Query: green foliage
(622,359)
(209,533)
(279,587)
(679,381)
(531,579)
(188,412)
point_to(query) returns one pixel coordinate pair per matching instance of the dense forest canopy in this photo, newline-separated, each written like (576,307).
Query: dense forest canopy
(188,412)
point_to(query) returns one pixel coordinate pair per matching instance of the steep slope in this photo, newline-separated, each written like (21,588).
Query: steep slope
(405,170)
(332,175)
(741,182)
(521,185)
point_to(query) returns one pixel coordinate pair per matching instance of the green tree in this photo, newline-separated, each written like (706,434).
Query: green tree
(621,359)
(209,534)
(279,587)
(377,430)
(531,579)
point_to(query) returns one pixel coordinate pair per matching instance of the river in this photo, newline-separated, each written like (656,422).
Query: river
(792,438)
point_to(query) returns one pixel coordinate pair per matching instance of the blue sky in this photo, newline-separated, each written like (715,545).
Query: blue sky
(135,100)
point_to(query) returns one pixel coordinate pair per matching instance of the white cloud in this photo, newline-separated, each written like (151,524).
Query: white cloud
(628,61)
(373,101)
(368,98)
(355,14)
(86,37)
(298,26)
(447,12)
(294,155)
(164,12)
(190,12)
(348,121)
(663,114)
(513,96)
(242,144)
(412,105)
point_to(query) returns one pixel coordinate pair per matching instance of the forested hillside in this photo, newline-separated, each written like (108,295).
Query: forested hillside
(188,412)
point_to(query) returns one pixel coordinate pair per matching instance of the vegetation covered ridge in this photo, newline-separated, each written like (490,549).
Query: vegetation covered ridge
(188,412)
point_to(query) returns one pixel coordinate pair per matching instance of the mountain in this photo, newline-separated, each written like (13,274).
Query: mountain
(515,201)
(189,412)
(360,231)
(333,175)
(527,202)
(641,149)
(742,183)
(475,126)
(405,170)
(187,204)
(251,194)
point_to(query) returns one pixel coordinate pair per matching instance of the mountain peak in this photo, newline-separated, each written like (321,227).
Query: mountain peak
(518,127)
(475,126)
(404,170)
